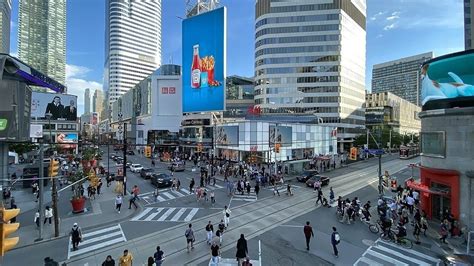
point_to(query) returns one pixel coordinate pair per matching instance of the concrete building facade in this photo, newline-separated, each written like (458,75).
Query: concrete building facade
(87,101)
(310,60)
(98,102)
(239,97)
(400,77)
(132,44)
(42,36)
(5,24)
(387,109)
(468,23)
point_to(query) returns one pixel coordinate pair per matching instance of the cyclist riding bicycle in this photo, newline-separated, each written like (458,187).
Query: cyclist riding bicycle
(386,224)
(402,232)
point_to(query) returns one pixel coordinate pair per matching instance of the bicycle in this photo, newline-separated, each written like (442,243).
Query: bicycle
(402,241)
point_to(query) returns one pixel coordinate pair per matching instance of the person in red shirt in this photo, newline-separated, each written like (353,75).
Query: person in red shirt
(308,233)
(135,192)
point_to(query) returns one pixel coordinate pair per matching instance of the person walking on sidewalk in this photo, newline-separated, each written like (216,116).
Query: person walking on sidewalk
(108,261)
(308,233)
(444,229)
(126,259)
(158,256)
(48,214)
(242,249)
(213,198)
(135,192)
(37,219)
(226,213)
(76,236)
(118,202)
(335,240)
(99,186)
(189,234)
(209,231)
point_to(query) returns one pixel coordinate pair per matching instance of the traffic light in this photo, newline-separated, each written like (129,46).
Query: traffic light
(148,151)
(53,169)
(353,154)
(6,229)
(277,147)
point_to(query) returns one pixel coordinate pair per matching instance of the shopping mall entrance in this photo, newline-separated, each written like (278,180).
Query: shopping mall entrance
(440,203)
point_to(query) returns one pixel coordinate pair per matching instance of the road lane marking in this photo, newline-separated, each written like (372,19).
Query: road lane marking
(166,214)
(191,214)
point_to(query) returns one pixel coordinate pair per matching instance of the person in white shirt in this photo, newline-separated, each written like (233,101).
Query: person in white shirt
(118,202)
(48,214)
(37,218)
(416,197)
(410,202)
(226,213)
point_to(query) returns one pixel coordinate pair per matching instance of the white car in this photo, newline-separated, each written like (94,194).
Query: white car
(136,168)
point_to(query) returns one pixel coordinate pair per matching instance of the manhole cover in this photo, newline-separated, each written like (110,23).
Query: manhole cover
(368,242)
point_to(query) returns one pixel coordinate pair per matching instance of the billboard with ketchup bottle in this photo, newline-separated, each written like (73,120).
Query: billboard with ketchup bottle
(204,61)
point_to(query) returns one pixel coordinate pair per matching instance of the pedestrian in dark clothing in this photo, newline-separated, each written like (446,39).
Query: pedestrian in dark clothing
(335,240)
(108,261)
(320,196)
(76,236)
(191,185)
(308,233)
(158,256)
(242,250)
(50,262)
(99,186)
(257,189)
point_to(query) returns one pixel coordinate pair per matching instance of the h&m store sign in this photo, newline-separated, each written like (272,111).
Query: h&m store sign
(168,90)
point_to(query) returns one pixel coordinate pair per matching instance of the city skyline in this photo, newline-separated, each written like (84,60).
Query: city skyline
(390,25)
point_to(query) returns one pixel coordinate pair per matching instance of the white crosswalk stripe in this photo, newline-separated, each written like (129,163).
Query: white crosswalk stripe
(165,195)
(245,197)
(166,215)
(383,253)
(281,187)
(97,239)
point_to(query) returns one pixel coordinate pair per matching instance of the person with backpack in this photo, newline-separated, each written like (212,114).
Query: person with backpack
(108,261)
(76,236)
(189,234)
(242,249)
(209,231)
(335,240)
(158,256)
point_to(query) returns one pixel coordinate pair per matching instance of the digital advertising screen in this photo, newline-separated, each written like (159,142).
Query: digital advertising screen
(282,135)
(60,106)
(204,61)
(67,140)
(227,135)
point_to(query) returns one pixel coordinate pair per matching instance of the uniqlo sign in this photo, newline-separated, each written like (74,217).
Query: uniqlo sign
(164,90)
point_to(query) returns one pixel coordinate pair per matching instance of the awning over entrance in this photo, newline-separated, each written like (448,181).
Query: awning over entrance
(426,189)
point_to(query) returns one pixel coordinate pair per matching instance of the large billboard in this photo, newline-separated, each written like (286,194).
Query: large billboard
(227,135)
(67,140)
(60,106)
(204,61)
(446,77)
(94,118)
(282,135)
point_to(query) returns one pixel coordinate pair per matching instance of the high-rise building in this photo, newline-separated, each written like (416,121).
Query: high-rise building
(468,23)
(5,16)
(87,101)
(132,44)
(98,101)
(42,36)
(310,59)
(400,77)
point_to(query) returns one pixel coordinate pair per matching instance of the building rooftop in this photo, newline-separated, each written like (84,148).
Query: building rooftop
(404,60)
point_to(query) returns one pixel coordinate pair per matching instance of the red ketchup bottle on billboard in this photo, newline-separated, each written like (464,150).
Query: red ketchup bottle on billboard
(196,68)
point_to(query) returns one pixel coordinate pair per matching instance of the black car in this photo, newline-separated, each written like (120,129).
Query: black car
(306,175)
(161,180)
(323,179)
(146,172)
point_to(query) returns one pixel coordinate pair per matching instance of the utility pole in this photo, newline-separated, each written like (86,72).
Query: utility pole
(40,191)
(55,206)
(124,165)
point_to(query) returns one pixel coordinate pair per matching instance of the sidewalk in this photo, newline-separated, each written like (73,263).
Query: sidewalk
(99,213)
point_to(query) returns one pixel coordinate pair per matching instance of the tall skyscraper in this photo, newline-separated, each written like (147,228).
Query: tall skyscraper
(468,23)
(400,77)
(132,44)
(42,36)
(98,101)
(5,16)
(87,101)
(310,59)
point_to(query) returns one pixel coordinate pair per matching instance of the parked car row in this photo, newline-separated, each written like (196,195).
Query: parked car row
(309,177)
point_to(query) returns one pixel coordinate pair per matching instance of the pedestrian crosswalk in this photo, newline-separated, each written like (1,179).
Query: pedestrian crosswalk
(252,196)
(386,253)
(97,239)
(165,195)
(166,215)
(282,187)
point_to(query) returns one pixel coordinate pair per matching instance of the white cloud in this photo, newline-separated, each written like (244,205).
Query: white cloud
(77,83)
(390,26)
(374,17)
(395,15)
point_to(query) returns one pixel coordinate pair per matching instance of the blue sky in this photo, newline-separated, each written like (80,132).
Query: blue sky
(395,29)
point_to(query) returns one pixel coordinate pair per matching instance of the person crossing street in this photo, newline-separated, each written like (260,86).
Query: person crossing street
(226,213)
(209,231)
(308,233)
